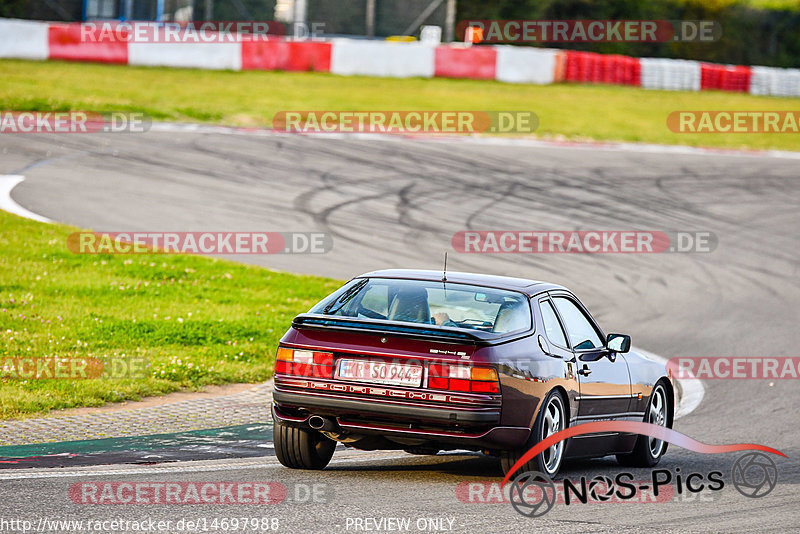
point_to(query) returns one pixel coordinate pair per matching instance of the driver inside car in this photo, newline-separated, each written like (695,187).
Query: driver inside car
(442,319)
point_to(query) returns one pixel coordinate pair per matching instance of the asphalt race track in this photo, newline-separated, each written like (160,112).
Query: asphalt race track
(393,202)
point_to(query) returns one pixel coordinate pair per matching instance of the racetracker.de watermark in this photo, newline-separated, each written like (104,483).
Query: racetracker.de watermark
(199,492)
(726,122)
(730,368)
(582,242)
(406,122)
(192,524)
(588,31)
(172,493)
(73,122)
(72,368)
(199,243)
(196,32)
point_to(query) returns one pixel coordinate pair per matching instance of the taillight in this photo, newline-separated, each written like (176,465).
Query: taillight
(485,387)
(323,358)
(304,363)
(463,378)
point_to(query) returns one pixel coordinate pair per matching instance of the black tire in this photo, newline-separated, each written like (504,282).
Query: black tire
(301,448)
(643,454)
(540,463)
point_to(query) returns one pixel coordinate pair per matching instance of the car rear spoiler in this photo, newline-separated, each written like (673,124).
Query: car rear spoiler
(361,324)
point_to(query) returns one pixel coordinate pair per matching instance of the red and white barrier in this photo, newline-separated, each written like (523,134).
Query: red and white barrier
(382,58)
(23,39)
(525,64)
(72,42)
(476,62)
(286,55)
(588,67)
(775,82)
(670,74)
(347,57)
(214,56)
(724,77)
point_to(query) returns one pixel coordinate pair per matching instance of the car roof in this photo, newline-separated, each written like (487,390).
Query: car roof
(523,285)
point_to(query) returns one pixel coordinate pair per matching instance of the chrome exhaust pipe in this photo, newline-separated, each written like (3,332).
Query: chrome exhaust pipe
(317,422)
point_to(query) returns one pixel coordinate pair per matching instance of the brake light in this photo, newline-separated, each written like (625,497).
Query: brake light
(457,384)
(323,358)
(463,378)
(485,387)
(304,363)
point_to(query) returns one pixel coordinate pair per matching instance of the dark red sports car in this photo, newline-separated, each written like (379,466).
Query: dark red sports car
(426,361)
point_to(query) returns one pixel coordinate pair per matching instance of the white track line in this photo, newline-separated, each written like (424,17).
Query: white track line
(183,467)
(7,183)
(691,389)
(481,140)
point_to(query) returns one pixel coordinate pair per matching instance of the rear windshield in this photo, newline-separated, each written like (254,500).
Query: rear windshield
(440,303)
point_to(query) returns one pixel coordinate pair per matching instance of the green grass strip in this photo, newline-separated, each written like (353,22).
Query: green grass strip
(191,320)
(565,111)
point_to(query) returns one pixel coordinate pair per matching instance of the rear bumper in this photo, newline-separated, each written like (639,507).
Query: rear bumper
(471,427)
(498,437)
(334,405)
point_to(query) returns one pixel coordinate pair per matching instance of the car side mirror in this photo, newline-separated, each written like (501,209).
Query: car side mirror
(618,342)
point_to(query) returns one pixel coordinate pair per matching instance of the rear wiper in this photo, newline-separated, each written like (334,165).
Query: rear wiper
(345,297)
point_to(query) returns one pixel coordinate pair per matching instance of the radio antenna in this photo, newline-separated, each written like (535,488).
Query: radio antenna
(444,271)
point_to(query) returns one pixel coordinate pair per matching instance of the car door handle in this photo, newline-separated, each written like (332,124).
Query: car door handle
(585,371)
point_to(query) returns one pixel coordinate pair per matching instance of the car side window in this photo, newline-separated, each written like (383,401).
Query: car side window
(551,325)
(582,335)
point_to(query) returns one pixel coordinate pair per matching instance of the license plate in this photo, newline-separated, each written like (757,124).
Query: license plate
(396,374)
